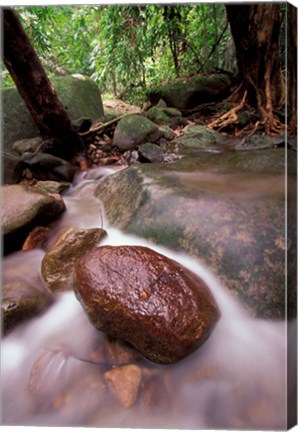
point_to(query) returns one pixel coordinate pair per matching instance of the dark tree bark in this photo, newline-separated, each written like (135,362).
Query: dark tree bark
(31,80)
(255,29)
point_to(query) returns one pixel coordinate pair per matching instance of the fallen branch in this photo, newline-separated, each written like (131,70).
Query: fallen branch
(102,126)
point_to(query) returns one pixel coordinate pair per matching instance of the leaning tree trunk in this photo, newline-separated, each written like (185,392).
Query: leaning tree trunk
(37,91)
(255,29)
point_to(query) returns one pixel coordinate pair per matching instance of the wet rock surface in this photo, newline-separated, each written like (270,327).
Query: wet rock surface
(23,294)
(44,166)
(137,295)
(70,244)
(225,209)
(125,381)
(22,210)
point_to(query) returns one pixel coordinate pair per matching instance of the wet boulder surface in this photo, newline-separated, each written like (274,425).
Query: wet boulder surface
(146,299)
(23,209)
(226,209)
(70,244)
(24,296)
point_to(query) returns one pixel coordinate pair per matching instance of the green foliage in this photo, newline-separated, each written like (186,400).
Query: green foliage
(127,49)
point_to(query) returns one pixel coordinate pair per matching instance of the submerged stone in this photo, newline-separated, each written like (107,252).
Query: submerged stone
(125,381)
(24,295)
(142,297)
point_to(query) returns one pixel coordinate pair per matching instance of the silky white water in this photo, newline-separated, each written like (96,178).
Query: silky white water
(235,380)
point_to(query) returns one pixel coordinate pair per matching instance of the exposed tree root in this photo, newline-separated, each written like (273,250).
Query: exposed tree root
(229,117)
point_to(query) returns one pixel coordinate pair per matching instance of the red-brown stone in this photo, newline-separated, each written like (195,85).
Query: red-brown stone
(142,297)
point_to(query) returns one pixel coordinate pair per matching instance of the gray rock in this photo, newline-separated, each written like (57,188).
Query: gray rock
(134,130)
(12,168)
(27,145)
(258,142)
(197,137)
(24,295)
(45,166)
(22,210)
(150,153)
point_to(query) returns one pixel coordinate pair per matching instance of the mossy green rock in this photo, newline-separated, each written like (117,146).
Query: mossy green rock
(23,209)
(49,186)
(70,244)
(166,132)
(172,112)
(157,115)
(80,96)
(225,209)
(134,130)
(197,137)
(24,295)
(187,93)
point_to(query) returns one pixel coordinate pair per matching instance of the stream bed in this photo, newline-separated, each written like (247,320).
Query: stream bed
(52,376)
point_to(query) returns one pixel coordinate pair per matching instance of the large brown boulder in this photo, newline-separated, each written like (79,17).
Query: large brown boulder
(142,297)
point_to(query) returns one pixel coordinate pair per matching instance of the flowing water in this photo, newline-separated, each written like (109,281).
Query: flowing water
(49,377)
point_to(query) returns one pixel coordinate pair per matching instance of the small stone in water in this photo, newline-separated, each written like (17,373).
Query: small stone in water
(125,381)
(36,238)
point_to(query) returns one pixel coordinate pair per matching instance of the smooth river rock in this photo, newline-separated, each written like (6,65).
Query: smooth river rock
(70,244)
(22,210)
(142,297)
(24,295)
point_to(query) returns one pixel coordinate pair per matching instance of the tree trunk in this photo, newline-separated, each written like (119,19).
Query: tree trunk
(37,91)
(255,29)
